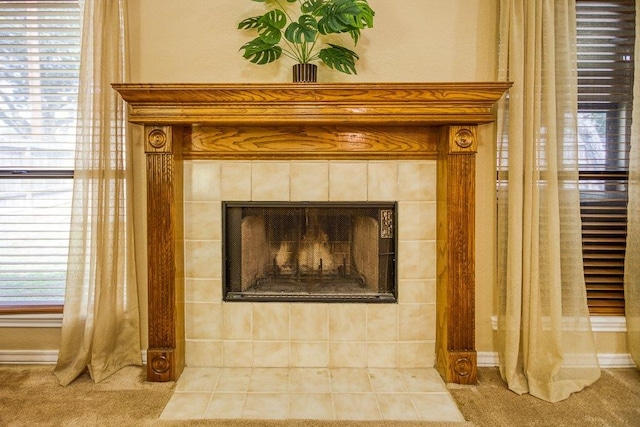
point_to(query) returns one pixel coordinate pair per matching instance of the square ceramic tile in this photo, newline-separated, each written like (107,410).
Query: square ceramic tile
(416,354)
(234,380)
(347,354)
(203,321)
(397,407)
(417,220)
(235,181)
(309,354)
(226,406)
(270,354)
(347,322)
(188,405)
(417,180)
(202,221)
(382,354)
(270,181)
(348,380)
(237,354)
(201,181)
(311,406)
(203,259)
(203,353)
(413,320)
(270,406)
(382,181)
(198,379)
(203,290)
(237,321)
(387,381)
(382,322)
(417,259)
(305,380)
(417,291)
(436,407)
(269,380)
(310,181)
(309,322)
(422,380)
(356,406)
(347,181)
(271,321)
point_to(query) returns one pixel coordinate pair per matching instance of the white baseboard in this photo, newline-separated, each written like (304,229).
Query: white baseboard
(36,357)
(28,357)
(606,360)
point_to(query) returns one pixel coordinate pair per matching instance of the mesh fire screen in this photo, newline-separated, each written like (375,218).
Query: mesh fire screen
(311,251)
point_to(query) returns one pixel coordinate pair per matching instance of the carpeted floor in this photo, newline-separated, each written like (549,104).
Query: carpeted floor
(31,396)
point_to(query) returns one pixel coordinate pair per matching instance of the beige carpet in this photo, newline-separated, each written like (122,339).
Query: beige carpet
(31,396)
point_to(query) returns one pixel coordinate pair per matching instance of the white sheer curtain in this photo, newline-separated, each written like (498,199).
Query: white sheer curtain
(546,346)
(100,328)
(632,256)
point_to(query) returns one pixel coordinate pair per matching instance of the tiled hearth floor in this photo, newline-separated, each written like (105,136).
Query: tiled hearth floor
(311,393)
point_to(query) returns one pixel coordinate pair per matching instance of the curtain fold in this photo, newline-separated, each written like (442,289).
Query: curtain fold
(100,328)
(632,254)
(545,344)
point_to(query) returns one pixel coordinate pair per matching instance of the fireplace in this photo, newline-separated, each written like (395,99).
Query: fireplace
(309,251)
(295,126)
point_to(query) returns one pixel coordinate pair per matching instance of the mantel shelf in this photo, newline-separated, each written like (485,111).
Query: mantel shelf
(313,121)
(363,103)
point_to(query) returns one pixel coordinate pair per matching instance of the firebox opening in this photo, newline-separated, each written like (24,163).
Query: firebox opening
(309,251)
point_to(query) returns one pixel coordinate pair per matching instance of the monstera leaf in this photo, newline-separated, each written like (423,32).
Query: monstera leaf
(339,58)
(269,25)
(259,52)
(303,31)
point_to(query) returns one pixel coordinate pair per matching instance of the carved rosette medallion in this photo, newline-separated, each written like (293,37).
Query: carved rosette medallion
(157,138)
(463,366)
(464,138)
(160,364)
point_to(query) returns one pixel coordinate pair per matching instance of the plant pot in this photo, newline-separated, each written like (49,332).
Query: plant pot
(305,73)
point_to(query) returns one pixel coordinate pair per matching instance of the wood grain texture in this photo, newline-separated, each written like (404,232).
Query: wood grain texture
(455,285)
(309,142)
(277,104)
(164,259)
(314,121)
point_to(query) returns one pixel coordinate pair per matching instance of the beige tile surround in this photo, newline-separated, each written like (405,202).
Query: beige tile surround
(296,335)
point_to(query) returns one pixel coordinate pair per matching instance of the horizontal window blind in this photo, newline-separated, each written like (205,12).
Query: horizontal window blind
(606,38)
(39,65)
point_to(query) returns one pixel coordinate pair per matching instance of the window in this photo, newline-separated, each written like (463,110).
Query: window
(606,37)
(39,65)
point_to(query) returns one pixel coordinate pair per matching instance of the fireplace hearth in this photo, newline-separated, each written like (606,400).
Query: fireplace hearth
(312,251)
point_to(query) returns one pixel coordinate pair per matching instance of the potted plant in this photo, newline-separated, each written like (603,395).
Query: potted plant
(299,33)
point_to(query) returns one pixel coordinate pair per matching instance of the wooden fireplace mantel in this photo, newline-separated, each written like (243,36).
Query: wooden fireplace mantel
(313,121)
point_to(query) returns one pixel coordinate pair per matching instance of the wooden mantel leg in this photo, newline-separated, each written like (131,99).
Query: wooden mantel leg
(456,358)
(165,355)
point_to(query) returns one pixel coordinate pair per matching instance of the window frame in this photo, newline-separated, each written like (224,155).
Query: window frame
(10,172)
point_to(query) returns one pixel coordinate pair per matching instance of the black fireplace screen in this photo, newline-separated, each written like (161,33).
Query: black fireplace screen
(311,251)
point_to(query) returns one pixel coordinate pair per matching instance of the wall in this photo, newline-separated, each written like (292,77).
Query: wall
(419,40)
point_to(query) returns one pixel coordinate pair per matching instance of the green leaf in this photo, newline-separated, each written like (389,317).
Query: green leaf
(339,58)
(312,6)
(249,23)
(303,31)
(259,52)
(343,16)
(270,25)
